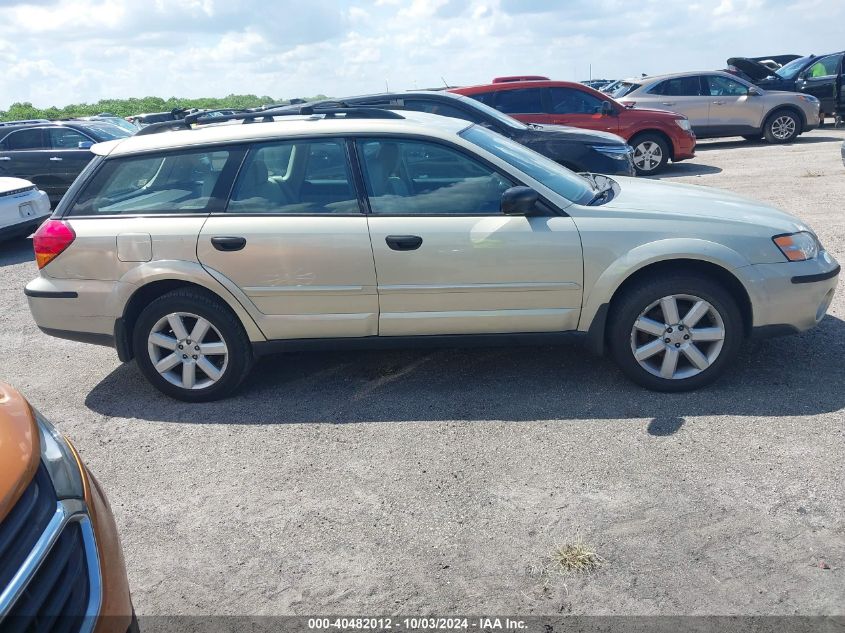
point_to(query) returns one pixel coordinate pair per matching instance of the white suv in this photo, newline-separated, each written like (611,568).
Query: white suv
(193,251)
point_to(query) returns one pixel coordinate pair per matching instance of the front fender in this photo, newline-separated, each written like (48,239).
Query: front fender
(189,272)
(609,278)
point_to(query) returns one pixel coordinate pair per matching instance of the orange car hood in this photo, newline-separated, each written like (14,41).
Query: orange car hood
(20,447)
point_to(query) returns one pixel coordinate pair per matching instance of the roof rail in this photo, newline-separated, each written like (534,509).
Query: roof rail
(26,122)
(505,80)
(267,116)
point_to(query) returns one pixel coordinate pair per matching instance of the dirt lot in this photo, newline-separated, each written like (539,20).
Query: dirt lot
(437,481)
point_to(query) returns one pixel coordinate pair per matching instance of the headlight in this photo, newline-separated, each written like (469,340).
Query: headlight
(59,461)
(808,98)
(798,247)
(683,124)
(619,152)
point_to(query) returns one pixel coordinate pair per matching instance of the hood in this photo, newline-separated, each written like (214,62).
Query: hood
(697,202)
(20,447)
(11,184)
(565,132)
(754,69)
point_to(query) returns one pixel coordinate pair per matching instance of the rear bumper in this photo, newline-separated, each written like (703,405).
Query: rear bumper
(790,296)
(74,309)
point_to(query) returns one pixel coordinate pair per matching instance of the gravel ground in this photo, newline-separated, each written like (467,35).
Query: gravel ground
(437,482)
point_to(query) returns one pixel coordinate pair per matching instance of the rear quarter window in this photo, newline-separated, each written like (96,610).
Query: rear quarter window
(196,181)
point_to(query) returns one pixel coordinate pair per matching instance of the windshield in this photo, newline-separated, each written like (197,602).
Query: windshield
(624,88)
(790,70)
(493,113)
(103,131)
(556,177)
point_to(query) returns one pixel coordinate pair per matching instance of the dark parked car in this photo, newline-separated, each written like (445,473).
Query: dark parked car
(579,150)
(818,75)
(51,154)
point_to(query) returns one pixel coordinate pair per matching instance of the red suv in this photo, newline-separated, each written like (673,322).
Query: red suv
(656,135)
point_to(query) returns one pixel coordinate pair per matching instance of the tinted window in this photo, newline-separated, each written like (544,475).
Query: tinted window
(723,87)
(678,87)
(790,70)
(105,131)
(443,109)
(825,67)
(416,177)
(573,101)
(487,98)
(65,138)
(184,182)
(24,139)
(523,100)
(295,177)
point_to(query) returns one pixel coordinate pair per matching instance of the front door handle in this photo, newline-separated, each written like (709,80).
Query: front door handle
(403,242)
(228,244)
(718,103)
(669,103)
(5,158)
(54,158)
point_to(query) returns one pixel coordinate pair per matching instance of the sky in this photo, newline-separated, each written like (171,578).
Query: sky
(56,52)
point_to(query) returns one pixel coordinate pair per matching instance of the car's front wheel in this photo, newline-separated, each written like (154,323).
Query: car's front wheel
(675,333)
(782,127)
(651,154)
(191,346)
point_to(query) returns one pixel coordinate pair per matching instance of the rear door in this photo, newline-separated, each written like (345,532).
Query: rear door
(25,155)
(732,109)
(685,95)
(820,80)
(448,261)
(293,239)
(578,108)
(526,104)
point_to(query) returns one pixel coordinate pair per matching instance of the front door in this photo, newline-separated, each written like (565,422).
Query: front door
(25,154)
(820,80)
(295,242)
(68,157)
(448,261)
(578,108)
(732,109)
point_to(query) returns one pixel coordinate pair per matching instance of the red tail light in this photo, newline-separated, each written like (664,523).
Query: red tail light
(51,239)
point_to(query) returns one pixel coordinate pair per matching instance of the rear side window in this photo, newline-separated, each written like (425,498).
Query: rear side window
(520,101)
(574,101)
(678,87)
(301,177)
(25,139)
(175,182)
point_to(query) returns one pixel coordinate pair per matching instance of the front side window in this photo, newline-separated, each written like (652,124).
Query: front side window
(405,177)
(825,67)
(521,100)
(66,138)
(678,87)
(574,101)
(724,87)
(25,139)
(173,182)
(301,177)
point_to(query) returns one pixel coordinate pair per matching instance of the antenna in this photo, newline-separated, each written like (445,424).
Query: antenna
(386,86)
(445,85)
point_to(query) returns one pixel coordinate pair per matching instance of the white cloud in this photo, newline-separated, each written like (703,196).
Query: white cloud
(56,52)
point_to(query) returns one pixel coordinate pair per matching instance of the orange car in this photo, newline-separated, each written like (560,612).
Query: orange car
(61,566)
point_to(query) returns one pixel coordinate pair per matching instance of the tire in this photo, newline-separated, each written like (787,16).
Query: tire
(217,373)
(645,298)
(651,153)
(782,126)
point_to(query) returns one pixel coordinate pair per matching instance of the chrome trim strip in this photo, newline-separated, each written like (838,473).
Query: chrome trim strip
(67,511)
(528,286)
(272,291)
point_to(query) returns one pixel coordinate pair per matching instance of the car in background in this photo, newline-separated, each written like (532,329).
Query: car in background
(396,228)
(598,84)
(817,75)
(656,136)
(61,567)
(22,207)
(576,149)
(51,154)
(719,104)
(114,120)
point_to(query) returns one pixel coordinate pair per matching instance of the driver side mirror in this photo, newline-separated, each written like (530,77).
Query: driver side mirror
(519,201)
(84,145)
(754,92)
(606,108)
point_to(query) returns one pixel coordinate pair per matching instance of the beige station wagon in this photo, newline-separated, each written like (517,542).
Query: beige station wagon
(194,251)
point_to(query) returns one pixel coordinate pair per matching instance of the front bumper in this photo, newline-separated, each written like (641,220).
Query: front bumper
(790,296)
(683,147)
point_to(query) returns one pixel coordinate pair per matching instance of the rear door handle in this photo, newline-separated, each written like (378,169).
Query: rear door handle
(718,103)
(667,103)
(55,158)
(403,242)
(228,244)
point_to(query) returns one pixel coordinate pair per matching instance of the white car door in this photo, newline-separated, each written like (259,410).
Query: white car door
(448,261)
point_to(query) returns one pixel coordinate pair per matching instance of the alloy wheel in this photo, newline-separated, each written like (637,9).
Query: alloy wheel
(648,155)
(188,351)
(783,127)
(673,347)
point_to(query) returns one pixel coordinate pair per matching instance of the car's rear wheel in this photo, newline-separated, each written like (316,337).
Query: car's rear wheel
(191,346)
(675,333)
(651,153)
(782,127)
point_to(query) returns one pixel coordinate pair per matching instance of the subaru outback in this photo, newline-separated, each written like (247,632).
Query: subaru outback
(194,251)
